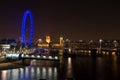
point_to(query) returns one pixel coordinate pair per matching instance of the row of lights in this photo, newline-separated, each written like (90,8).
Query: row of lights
(38,57)
(16,56)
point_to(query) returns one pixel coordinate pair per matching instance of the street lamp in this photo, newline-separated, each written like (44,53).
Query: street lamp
(100,47)
(39,40)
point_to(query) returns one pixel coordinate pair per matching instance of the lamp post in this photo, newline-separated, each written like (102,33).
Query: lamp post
(39,40)
(100,47)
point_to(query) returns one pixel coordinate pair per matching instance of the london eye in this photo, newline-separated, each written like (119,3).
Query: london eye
(26,29)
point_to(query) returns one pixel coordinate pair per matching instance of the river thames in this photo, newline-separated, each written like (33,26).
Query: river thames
(79,68)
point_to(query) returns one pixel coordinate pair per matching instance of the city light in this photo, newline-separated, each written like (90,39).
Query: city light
(50,57)
(70,40)
(56,57)
(100,40)
(38,56)
(48,39)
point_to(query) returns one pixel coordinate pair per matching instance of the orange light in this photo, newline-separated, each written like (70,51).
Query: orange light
(48,39)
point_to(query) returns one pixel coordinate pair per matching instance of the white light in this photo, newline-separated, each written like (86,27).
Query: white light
(100,40)
(56,57)
(69,50)
(6,46)
(69,60)
(4,75)
(32,56)
(12,55)
(50,57)
(44,56)
(15,55)
(50,71)
(8,55)
(22,55)
(38,56)
(27,56)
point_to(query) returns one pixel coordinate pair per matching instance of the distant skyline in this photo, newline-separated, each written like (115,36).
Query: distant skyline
(74,20)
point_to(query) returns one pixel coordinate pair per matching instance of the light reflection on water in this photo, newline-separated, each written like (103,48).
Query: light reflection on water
(4,75)
(91,68)
(107,68)
(30,73)
(79,68)
(69,67)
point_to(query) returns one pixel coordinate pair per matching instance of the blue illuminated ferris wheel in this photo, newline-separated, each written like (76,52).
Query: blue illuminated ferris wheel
(25,29)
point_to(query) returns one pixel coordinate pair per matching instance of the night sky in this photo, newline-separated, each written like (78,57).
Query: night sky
(74,20)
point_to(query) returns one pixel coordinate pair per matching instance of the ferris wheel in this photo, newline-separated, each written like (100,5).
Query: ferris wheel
(26,29)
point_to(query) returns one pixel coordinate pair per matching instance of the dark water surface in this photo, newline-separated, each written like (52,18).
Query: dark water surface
(79,68)
(88,68)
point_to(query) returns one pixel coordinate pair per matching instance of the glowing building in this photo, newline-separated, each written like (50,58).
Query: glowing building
(48,39)
(61,41)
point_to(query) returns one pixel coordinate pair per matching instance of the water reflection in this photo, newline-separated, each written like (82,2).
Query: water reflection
(30,73)
(115,66)
(69,68)
(79,68)
(107,68)
(4,73)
